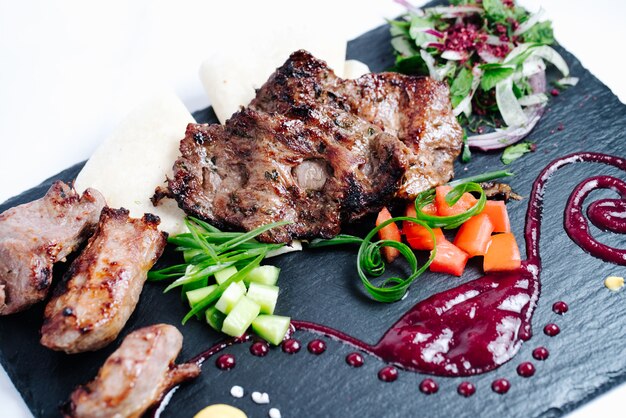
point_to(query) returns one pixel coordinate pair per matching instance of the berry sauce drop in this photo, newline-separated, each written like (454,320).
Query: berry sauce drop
(225,362)
(388,374)
(316,347)
(551,330)
(259,349)
(560,308)
(354,359)
(501,386)
(291,346)
(526,369)
(429,386)
(466,389)
(541,353)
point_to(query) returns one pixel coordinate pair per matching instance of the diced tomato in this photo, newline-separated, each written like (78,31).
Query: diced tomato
(502,254)
(474,235)
(462,205)
(449,259)
(389,232)
(416,235)
(498,215)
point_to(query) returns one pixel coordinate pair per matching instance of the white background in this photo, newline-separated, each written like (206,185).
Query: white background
(70,70)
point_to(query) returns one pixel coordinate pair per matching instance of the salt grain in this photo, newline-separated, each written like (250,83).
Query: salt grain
(236,392)
(274,413)
(260,398)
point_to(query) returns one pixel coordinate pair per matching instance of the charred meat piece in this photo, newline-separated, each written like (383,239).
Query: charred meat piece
(102,287)
(416,110)
(499,191)
(35,235)
(318,151)
(261,168)
(134,377)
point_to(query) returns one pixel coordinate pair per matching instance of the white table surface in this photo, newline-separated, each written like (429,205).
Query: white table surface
(70,70)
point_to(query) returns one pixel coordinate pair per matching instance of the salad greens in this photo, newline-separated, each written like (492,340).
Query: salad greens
(513,152)
(493,54)
(208,251)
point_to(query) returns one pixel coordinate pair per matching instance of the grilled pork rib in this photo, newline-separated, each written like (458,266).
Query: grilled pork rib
(102,286)
(35,235)
(134,377)
(318,151)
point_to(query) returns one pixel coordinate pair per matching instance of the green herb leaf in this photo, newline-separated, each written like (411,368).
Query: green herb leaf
(461,86)
(399,27)
(496,10)
(416,31)
(540,32)
(494,75)
(513,152)
(414,65)
(403,46)
(466,156)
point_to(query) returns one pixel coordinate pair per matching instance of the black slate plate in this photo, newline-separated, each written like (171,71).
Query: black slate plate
(586,359)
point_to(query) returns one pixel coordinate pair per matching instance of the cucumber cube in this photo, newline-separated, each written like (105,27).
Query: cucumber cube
(265,295)
(272,328)
(263,275)
(230,297)
(215,318)
(196,295)
(223,275)
(240,317)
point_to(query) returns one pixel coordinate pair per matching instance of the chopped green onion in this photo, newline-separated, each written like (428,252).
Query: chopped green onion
(370,263)
(453,221)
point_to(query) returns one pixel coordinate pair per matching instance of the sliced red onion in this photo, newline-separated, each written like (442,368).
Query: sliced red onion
(494,40)
(487,56)
(430,63)
(568,81)
(435,33)
(435,45)
(504,137)
(533,99)
(448,12)
(529,23)
(453,55)
(410,7)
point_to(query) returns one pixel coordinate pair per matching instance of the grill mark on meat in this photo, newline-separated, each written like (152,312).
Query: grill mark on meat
(102,286)
(36,235)
(134,377)
(382,136)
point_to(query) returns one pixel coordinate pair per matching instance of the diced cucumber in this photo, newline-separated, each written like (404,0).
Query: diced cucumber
(215,318)
(193,285)
(265,295)
(223,275)
(196,295)
(240,317)
(263,275)
(230,297)
(272,328)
